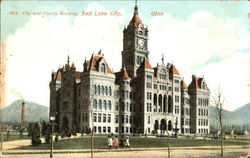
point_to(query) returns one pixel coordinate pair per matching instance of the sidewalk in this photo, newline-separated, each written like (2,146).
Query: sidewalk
(10,151)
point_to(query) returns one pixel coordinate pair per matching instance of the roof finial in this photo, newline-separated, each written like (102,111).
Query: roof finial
(136,8)
(68,60)
(162,59)
(99,53)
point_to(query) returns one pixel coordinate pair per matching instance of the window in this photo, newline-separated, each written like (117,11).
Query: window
(110,91)
(109,105)
(100,105)
(109,118)
(94,117)
(116,106)
(103,68)
(116,118)
(177,109)
(102,90)
(95,129)
(100,129)
(94,104)
(109,129)
(127,107)
(177,99)
(105,105)
(116,129)
(104,118)
(126,118)
(83,117)
(95,89)
(106,90)
(149,81)
(99,117)
(104,129)
(148,119)
(98,89)
(130,119)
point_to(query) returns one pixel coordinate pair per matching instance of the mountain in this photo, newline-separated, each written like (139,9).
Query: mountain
(33,112)
(240,116)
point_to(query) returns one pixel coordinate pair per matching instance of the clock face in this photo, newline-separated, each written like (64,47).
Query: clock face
(141,42)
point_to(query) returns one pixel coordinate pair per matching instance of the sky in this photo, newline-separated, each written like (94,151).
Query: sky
(205,38)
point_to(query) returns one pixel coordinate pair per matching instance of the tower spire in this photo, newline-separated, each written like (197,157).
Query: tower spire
(68,60)
(136,8)
(162,59)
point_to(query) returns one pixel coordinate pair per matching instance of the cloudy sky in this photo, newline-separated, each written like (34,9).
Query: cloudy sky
(209,39)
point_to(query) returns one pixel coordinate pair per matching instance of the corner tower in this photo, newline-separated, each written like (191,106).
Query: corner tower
(135,44)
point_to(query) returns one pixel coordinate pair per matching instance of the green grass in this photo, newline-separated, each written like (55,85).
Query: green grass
(14,136)
(100,142)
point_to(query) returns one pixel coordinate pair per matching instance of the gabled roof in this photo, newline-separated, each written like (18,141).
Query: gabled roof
(94,62)
(196,83)
(174,70)
(145,64)
(183,84)
(123,74)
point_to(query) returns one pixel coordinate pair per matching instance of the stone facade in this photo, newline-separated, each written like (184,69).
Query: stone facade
(137,99)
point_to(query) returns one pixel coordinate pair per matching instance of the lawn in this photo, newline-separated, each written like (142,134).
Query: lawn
(100,142)
(14,135)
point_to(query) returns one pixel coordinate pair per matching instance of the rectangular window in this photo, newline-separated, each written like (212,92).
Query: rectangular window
(148,119)
(177,99)
(126,129)
(109,129)
(126,118)
(99,117)
(130,119)
(104,129)
(95,129)
(104,118)
(94,117)
(83,117)
(109,118)
(155,86)
(149,81)
(116,129)
(100,129)
(116,118)
(177,110)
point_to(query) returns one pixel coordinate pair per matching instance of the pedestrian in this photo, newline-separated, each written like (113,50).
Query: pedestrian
(110,142)
(116,142)
(127,143)
(122,141)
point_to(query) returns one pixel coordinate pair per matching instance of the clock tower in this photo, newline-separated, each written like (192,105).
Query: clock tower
(135,44)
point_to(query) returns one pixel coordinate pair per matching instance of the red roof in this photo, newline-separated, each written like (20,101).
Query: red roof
(124,74)
(183,84)
(174,70)
(196,82)
(145,64)
(94,63)
(136,20)
(57,75)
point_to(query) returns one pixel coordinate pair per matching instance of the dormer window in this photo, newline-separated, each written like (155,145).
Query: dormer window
(103,68)
(203,85)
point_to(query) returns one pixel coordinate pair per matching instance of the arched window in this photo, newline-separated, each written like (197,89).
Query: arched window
(95,104)
(103,68)
(116,106)
(105,104)
(95,89)
(100,105)
(109,105)
(98,89)
(110,91)
(102,90)
(106,90)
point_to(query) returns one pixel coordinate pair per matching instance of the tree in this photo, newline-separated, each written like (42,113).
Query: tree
(34,132)
(218,101)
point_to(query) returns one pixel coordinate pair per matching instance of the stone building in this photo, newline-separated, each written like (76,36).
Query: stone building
(137,99)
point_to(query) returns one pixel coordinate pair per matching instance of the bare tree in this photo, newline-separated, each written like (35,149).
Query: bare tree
(218,101)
